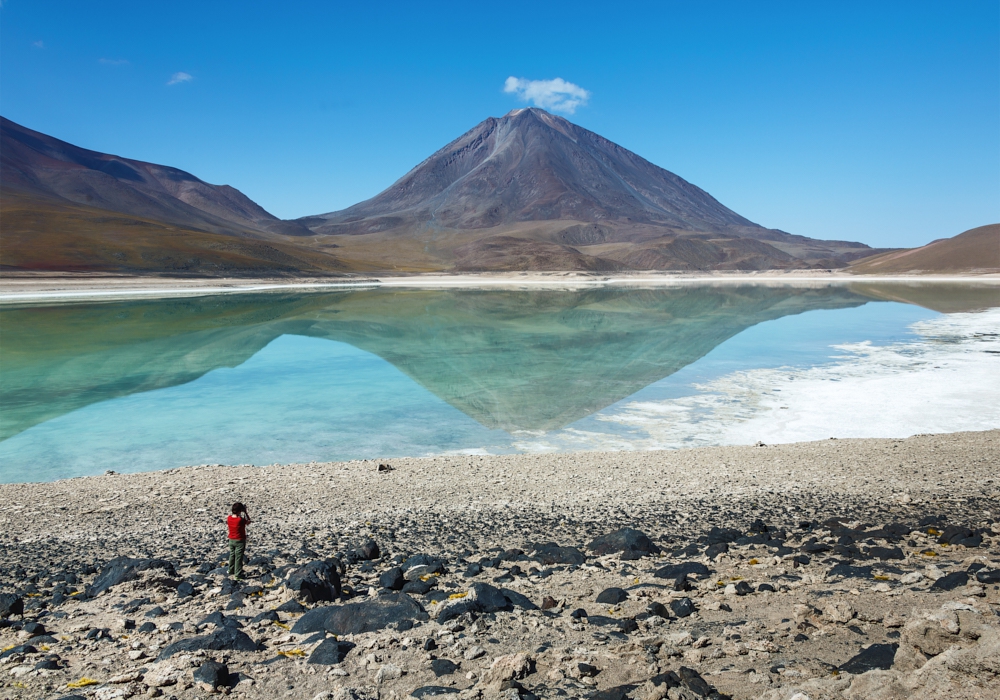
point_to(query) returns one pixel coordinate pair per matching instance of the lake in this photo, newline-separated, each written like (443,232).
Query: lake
(374,373)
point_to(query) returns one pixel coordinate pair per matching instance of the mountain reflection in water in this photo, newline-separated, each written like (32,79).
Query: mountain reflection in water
(510,360)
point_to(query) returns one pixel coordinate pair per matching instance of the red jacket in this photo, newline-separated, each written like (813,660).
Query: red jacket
(237,527)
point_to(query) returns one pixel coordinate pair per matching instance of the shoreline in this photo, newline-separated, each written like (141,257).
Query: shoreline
(805,559)
(29,287)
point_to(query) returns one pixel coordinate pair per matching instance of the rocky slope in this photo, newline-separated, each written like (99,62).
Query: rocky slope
(839,569)
(37,165)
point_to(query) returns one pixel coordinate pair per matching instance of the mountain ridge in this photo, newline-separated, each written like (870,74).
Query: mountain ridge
(526,191)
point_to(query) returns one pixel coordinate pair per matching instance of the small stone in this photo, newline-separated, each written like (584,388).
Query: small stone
(388,672)
(473,652)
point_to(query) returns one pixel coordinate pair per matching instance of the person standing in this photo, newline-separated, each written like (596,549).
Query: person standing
(237,522)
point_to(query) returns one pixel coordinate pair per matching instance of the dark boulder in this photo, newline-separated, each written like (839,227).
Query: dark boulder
(618,692)
(482,598)
(433,691)
(743,588)
(953,533)
(687,568)
(715,550)
(223,639)
(291,606)
(876,656)
(551,553)
(612,596)
(185,589)
(33,629)
(267,616)
(988,576)
(19,649)
(220,620)
(368,550)
(693,681)
(848,571)
(632,544)
(885,553)
(658,610)
(951,581)
(815,548)
(375,614)
(681,583)
(417,587)
(212,673)
(682,607)
(436,565)
(316,581)
(392,579)
(722,535)
(443,667)
(11,604)
(330,652)
(312,621)
(518,600)
(122,569)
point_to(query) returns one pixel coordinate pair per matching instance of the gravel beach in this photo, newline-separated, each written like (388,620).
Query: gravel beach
(830,569)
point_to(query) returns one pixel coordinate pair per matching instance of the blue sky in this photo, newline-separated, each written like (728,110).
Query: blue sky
(877,122)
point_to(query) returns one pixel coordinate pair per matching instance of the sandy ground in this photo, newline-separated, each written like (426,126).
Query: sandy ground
(26,287)
(798,557)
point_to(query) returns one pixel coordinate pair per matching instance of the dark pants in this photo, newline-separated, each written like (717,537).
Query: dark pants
(236,549)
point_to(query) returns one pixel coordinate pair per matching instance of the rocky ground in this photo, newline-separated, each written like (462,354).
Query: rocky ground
(835,569)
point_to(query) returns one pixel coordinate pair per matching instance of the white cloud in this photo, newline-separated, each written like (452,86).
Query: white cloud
(38,44)
(112,61)
(557,94)
(180,77)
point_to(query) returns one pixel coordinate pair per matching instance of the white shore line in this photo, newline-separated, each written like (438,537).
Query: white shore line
(474,281)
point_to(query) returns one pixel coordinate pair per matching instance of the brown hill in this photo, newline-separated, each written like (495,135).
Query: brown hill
(66,208)
(533,176)
(976,250)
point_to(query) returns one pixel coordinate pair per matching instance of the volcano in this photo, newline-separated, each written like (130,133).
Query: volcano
(532,190)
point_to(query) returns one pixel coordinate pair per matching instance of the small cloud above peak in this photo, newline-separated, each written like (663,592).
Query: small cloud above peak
(180,77)
(113,61)
(557,94)
(38,44)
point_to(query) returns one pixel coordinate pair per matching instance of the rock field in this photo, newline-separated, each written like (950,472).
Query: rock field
(847,569)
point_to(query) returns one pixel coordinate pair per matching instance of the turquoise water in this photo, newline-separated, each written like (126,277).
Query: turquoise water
(266,378)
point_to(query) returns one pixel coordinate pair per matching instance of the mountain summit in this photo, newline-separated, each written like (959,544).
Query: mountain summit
(530,165)
(531,190)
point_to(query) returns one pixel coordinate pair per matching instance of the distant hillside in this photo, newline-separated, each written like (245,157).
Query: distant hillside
(975,250)
(66,208)
(531,190)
